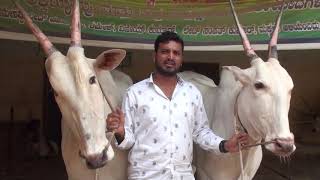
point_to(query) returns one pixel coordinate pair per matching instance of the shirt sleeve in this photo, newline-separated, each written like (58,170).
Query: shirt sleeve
(129,108)
(202,134)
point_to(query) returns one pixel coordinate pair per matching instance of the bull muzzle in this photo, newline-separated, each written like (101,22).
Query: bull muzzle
(282,146)
(96,161)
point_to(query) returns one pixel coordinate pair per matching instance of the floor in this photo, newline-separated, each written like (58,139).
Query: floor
(19,161)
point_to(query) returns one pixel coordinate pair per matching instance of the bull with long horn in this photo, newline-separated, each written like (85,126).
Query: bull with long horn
(255,100)
(85,91)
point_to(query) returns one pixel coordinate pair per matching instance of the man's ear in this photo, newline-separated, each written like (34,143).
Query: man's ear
(154,56)
(239,74)
(110,59)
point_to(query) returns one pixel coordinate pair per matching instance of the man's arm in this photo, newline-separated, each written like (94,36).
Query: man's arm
(205,137)
(115,123)
(122,123)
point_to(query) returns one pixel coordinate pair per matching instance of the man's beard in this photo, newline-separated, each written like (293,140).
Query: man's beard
(166,72)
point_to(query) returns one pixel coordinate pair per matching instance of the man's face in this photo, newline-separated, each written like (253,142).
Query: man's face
(168,58)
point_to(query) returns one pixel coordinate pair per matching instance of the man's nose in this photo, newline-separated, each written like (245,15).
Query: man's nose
(171,55)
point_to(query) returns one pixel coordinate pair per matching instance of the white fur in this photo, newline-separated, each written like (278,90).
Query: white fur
(264,113)
(84,111)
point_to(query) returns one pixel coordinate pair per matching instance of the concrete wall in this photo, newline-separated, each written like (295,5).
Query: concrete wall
(21,74)
(21,77)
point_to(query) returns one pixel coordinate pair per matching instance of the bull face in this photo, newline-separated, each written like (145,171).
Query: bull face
(264,102)
(81,101)
(77,90)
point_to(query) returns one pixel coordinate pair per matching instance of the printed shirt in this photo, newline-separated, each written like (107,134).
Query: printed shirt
(160,131)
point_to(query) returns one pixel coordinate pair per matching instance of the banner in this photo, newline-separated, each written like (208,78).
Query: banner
(199,22)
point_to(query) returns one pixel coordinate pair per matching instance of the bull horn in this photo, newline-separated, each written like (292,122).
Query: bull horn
(245,41)
(45,43)
(75,25)
(274,38)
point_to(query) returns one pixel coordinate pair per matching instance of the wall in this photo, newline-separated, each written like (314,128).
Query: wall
(21,74)
(21,77)
(303,67)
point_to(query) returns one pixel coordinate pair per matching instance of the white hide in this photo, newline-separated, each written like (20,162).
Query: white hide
(264,113)
(122,81)
(84,111)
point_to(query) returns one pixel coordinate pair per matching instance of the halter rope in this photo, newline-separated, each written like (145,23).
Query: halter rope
(113,133)
(237,129)
(113,110)
(97,174)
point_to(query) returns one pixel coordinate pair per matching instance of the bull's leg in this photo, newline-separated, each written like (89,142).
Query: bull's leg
(199,158)
(252,161)
(201,175)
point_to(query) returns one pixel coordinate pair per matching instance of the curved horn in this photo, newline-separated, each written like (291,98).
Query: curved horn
(274,38)
(245,41)
(45,43)
(151,3)
(75,25)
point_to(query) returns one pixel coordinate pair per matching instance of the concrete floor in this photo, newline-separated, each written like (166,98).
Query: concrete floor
(21,163)
(303,165)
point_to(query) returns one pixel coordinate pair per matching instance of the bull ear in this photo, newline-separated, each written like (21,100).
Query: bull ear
(110,59)
(239,74)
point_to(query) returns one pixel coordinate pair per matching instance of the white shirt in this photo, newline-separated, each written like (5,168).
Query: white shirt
(160,131)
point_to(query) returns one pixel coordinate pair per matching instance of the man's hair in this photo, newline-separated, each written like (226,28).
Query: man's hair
(167,36)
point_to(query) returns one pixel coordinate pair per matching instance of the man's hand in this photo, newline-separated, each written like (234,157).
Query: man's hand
(232,144)
(115,123)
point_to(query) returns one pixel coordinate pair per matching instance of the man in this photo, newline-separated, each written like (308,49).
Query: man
(163,116)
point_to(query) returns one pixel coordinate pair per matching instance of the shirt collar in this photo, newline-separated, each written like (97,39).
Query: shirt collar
(150,80)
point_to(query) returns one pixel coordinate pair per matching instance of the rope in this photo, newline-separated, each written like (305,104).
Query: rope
(258,144)
(97,174)
(241,161)
(113,110)
(239,145)
(110,140)
(113,133)
(237,129)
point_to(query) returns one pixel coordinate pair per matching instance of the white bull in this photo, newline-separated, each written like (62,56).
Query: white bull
(80,86)
(256,100)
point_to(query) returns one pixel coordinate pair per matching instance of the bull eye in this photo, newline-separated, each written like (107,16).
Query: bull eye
(259,85)
(92,80)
